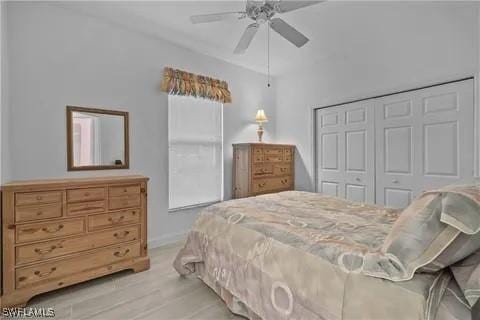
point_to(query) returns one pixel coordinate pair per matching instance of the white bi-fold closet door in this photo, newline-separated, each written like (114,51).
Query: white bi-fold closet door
(389,149)
(346,151)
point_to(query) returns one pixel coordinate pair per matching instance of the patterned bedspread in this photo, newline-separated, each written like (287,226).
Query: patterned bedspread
(299,255)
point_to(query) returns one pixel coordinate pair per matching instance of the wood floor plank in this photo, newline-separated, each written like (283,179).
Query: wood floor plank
(216,311)
(159,294)
(181,307)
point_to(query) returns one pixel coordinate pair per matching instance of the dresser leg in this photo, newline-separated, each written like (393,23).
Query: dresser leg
(15,300)
(141,265)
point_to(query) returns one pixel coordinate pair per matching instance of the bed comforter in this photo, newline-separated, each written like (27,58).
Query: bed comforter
(298,255)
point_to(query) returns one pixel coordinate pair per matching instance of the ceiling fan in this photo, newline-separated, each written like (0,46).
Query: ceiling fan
(262,12)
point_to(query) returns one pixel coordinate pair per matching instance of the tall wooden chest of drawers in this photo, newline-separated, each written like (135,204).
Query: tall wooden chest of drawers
(60,232)
(260,168)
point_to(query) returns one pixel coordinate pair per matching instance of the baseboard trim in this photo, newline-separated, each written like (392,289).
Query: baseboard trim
(166,239)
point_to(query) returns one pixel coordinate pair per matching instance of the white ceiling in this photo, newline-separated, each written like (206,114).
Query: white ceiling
(336,29)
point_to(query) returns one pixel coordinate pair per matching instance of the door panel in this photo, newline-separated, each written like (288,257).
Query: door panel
(397,198)
(356,193)
(330,188)
(398,150)
(345,151)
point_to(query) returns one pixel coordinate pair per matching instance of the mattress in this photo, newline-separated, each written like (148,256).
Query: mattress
(298,255)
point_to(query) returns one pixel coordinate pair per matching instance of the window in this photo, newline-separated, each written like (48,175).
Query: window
(195,142)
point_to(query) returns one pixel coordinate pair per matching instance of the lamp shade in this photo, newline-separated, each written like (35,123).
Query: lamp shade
(261,116)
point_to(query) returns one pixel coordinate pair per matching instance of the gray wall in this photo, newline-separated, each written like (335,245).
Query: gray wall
(58,57)
(402,46)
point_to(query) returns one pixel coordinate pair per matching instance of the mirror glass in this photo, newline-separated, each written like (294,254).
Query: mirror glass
(98,139)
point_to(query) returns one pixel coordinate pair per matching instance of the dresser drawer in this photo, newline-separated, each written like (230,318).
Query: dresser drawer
(107,220)
(282,169)
(83,208)
(45,211)
(55,248)
(257,158)
(257,151)
(48,271)
(273,158)
(273,152)
(29,198)
(123,202)
(87,194)
(49,230)
(271,184)
(262,170)
(124,190)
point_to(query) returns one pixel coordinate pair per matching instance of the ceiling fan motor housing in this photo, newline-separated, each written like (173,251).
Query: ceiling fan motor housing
(260,11)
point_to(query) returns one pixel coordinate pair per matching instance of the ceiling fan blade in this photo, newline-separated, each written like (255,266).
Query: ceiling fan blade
(246,38)
(289,5)
(204,18)
(288,32)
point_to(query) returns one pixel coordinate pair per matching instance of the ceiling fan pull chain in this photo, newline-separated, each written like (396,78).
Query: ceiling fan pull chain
(268,54)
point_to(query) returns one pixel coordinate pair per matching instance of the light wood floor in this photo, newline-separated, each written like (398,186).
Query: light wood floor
(157,294)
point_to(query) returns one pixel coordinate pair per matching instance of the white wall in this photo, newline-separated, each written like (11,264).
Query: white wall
(403,46)
(58,57)
(3,95)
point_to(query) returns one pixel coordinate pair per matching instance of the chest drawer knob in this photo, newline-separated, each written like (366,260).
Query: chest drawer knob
(45,274)
(47,230)
(119,254)
(122,236)
(45,251)
(39,198)
(120,219)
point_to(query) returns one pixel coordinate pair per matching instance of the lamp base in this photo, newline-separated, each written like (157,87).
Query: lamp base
(260,133)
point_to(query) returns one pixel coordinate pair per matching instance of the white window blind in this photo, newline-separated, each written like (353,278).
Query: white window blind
(195,136)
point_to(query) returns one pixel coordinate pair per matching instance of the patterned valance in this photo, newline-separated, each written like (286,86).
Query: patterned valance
(183,83)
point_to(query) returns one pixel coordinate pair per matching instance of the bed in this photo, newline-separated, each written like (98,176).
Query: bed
(300,255)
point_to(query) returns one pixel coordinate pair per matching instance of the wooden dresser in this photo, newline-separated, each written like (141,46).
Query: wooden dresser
(260,168)
(60,232)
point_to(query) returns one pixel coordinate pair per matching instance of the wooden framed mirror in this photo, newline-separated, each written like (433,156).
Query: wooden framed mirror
(97,139)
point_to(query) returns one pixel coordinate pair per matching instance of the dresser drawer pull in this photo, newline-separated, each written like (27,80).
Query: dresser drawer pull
(113,221)
(283,169)
(39,212)
(125,234)
(45,229)
(39,198)
(284,181)
(261,185)
(86,208)
(119,254)
(45,274)
(45,251)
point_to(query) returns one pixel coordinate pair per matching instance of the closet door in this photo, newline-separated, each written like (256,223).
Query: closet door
(424,140)
(345,151)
